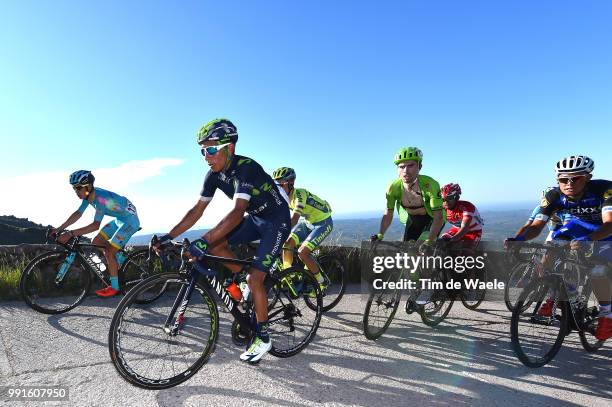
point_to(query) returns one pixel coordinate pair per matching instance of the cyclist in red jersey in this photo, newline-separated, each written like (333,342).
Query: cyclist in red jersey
(463,215)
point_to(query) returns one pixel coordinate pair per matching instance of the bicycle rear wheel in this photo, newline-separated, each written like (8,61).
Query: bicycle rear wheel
(537,331)
(336,279)
(47,290)
(148,356)
(293,316)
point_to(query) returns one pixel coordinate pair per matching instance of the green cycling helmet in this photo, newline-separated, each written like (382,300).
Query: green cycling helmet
(220,130)
(408,154)
(283,174)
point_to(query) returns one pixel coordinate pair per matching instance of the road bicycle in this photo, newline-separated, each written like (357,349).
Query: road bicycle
(59,279)
(162,343)
(549,308)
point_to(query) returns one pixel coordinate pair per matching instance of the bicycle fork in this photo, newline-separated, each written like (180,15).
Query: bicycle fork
(180,305)
(59,277)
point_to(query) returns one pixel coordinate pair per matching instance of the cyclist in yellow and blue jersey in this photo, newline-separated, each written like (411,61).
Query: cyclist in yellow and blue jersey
(114,235)
(311,222)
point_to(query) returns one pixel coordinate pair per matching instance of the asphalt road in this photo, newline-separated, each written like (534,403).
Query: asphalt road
(467,360)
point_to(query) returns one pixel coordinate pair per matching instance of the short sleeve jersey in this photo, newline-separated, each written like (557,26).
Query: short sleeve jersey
(465,211)
(596,200)
(430,192)
(310,206)
(246,179)
(110,204)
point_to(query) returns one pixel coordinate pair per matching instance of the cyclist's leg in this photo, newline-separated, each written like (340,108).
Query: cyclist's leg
(103,239)
(600,274)
(319,232)
(299,232)
(416,226)
(272,233)
(601,281)
(245,232)
(450,233)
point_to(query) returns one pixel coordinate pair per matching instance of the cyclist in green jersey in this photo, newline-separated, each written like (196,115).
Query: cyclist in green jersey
(315,226)
(416,197)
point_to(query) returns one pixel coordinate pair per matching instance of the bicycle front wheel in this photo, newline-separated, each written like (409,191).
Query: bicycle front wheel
(379,311)
(473,297)
(52,284)
(537,331)
(149,355)
(440,300)
(520,276)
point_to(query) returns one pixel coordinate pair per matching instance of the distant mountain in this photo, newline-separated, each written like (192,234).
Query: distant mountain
(15,230)
(498,224)
(143,240)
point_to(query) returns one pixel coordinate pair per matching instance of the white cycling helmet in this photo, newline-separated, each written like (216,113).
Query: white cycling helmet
(574,164)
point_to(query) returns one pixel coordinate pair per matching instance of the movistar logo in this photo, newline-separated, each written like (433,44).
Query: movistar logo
(268,261)
(266,187)
(244,161)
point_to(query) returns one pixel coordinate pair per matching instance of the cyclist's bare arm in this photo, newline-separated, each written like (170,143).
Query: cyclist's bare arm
(71,219)
(386,220)
(294,218)
(228,223)
(191,217)
(437,225)
(92,227)
(523,228)
(533,230)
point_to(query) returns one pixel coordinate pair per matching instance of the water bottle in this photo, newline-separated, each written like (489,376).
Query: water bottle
(246,291)
(234,291)
(97,261)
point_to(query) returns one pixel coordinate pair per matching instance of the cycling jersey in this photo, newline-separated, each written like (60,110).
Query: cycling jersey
(310,206)
(267,218)
(110,204)
(246,179)
(585,213)
(595,200)
(465,211)
(121,229)
(430,192)
(557,219)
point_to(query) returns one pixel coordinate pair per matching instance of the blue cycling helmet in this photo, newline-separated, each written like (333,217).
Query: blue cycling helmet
(81,177)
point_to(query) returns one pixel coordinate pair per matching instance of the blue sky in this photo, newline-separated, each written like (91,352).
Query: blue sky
(494,93)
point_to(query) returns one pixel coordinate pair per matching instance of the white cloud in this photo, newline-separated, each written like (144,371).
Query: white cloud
(46,197)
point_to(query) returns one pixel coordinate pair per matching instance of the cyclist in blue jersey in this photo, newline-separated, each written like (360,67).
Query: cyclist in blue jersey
(260,212)
(588,203)
(114,235)
(555,222)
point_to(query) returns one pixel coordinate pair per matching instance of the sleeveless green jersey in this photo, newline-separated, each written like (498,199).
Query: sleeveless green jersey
(430,192)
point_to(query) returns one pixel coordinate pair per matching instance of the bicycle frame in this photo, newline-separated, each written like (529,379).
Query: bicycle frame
(74,247)
(211,283)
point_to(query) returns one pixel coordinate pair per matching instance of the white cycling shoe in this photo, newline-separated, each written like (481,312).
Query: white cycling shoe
(256,351)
